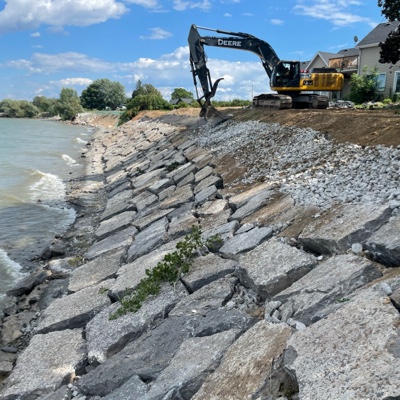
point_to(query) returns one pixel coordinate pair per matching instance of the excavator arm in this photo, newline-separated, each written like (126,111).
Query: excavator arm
(238,41)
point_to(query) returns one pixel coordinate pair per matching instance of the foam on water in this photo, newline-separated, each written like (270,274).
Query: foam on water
(69,160)
(49,188)
(10,272)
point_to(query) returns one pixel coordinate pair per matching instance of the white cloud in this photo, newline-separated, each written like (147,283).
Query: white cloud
(36,34)
(73,82)
(157,34)
(277,22)
(334,11)
(182,5)
(145,3)
(19,15)
(169,70)
(247,14)
(227,15)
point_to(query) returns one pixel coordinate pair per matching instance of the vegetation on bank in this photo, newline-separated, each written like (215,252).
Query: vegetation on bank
(104,94)
(169,270)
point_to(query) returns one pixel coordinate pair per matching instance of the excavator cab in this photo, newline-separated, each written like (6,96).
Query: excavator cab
(286,74)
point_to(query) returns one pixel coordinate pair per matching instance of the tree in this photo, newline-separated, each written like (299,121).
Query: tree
(144,97)
(18,109)
(390,48)
(180,93)
(68,105)
(103,93)
(364,87)
(145,89)
(43,103)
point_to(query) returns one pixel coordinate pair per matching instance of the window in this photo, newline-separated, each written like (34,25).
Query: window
(381,81)
(397,82)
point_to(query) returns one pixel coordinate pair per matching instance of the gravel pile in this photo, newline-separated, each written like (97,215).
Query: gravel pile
(306,164)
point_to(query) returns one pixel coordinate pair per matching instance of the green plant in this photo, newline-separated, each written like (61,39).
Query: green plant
(364,87)
(168,270)
(173,166)
(103,290)
(343,300)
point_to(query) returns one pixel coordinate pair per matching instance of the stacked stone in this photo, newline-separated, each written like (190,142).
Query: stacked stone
(296,302)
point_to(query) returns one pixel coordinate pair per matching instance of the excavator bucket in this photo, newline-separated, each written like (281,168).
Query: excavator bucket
(213,116)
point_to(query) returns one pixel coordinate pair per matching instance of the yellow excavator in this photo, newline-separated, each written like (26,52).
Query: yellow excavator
(286,77)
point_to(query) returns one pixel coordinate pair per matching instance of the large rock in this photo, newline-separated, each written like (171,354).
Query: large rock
(76,310)
(150,354)
(326,287)
(384,245)
(49,361)
(114,224)
(272,267)
(352,354)
(247,366)
(106,337)
(95,271)
(130,275)
(26,284)
(149,239)
(246,241)
(342,226)
(186,371)
(210,297)
(116,241)
(207,269)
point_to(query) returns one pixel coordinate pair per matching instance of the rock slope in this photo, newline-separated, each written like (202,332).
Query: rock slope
(300,300)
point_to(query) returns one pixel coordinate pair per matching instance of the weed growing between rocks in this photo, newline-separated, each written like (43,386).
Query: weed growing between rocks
(168,270)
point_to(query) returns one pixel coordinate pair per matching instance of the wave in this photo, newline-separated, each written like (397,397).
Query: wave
(69,160)
(79,140)
(9,267)
(50,192)
(48,189)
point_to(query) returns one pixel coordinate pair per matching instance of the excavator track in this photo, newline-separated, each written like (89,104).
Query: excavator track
(273,101)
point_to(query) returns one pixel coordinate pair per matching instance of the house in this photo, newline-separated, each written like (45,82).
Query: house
(366,53)
(389,74)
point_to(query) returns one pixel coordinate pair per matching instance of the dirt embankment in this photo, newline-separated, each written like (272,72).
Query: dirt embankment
(363,127)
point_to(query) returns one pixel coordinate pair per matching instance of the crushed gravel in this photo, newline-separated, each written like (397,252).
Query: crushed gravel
(307,164)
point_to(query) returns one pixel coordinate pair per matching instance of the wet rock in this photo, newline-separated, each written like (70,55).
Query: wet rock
(25,285)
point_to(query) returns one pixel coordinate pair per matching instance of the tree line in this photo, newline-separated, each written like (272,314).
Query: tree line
(103,94)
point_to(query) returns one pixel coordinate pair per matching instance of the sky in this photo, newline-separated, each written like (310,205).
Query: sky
(46,45)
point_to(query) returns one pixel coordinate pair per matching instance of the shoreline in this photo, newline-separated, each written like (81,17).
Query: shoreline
(229,304)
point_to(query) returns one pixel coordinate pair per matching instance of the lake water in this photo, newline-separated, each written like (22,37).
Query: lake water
(37,158)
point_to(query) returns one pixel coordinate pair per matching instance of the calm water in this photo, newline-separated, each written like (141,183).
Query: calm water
(36,159)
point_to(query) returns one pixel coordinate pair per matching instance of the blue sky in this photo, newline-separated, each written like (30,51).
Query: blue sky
(49,44)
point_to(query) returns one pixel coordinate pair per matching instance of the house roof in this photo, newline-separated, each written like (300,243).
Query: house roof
(325,56)
(348,53)
(378,34)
